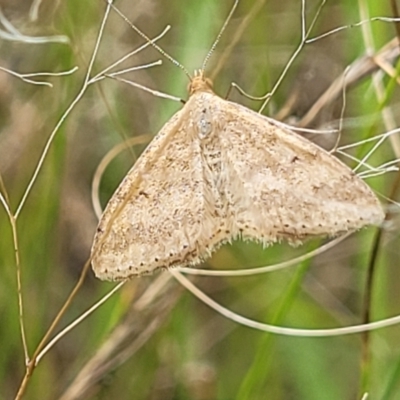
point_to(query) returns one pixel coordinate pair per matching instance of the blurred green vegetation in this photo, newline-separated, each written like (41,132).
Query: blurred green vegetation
(195,354)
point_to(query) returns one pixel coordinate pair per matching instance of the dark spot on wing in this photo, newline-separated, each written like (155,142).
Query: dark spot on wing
(143,193)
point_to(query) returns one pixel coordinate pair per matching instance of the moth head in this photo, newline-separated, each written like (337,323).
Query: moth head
(200,83)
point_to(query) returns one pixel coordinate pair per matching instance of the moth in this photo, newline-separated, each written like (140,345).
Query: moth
(218,171)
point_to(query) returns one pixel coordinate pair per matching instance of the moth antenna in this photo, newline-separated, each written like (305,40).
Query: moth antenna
(219,35)
(152,42)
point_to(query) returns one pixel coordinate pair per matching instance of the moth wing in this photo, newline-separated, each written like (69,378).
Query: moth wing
(282,186)
(164,212)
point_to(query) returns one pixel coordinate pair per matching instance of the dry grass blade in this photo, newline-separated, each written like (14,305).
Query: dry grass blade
(358,70)
(146,315)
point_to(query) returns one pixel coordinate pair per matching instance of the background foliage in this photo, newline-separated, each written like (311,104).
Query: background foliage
(181,348)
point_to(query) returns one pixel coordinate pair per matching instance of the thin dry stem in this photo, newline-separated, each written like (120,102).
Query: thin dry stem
(268,268)
(34,10)
(125,71)
(150,41)
(13,224)
(349,26)
(25,77)
(370,139)
(10,32)
(86,83)
(77,321)
(5,203)
(64,116)
(148,90)
(364,66)
(304,35)
(32,363)
(105,161)
(105,71)
(278,330)
(342,111)
(145,317)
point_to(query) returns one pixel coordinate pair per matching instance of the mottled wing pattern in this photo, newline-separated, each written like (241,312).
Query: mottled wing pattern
(282,186)
(165,211)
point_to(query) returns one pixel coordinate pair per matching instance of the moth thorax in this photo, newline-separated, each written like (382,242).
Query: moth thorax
(204,125)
